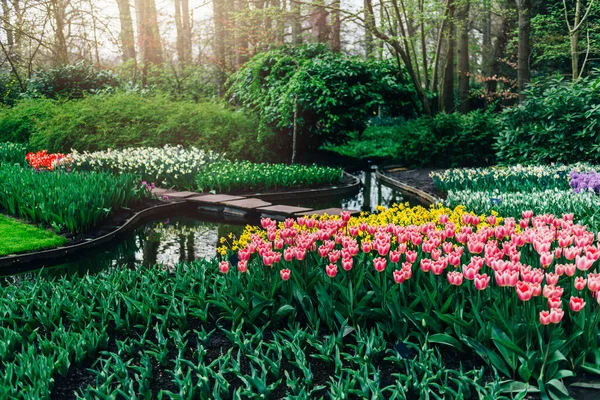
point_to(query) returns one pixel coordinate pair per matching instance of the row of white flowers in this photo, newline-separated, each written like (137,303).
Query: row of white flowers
(168,166)
(509,178)
(584,205)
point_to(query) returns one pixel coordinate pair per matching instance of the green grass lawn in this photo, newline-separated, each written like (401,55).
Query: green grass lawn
(18,237)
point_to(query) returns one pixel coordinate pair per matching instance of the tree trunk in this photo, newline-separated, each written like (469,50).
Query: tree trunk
(296,23)
(486,49)
(148,34)
(336,27)
(58,9)
(7,26)
(186,25)
(241,37)
(179,32)
(370,23)
(126,35)
(423,43)
(524,9)
(220,39)
(462,17)
(447,95)
(498,53)
(319,27)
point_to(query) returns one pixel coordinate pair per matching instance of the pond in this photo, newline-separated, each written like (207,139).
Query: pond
(169,241)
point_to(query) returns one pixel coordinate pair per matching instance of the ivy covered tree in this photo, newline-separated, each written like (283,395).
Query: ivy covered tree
(313,94)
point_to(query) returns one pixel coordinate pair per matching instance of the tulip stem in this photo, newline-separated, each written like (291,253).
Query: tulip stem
(546,355)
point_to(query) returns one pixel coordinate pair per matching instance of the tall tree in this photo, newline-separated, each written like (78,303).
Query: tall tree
(319,27)
(574,29)
(524,51)
(336,26)
(447,90)
(186,26)
(463,21)
(127,33)
(58,9)
(148,33)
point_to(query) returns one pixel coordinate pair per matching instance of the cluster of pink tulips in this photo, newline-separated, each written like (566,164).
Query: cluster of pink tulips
(537,256)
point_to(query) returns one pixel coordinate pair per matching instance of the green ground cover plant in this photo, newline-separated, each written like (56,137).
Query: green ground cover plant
(71,202)
(19,237)
(244,176)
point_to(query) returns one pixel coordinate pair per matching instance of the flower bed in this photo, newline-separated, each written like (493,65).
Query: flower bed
(12,153)
(244,176)
(509,292)
(72,202)
(169,166)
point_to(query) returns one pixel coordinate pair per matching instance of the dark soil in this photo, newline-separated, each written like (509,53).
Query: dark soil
(418,178)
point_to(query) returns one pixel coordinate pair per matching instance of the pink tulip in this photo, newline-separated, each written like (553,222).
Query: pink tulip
(582,263)
(334,256)
(570,269)
(443,219)
(366,246)
(580,283)
(546,259)
(285,274)
(300,253)
(554,302)
(425,265)
(552,278)
(556,315)
(524,291)
(455,278)
(289,254)
(242,266)
(437,267)
(380,264)
(545,317)
(481,281)
(331,270)
(399,276)
(347,264)
(346,216)
(411,256)
(536,289)
(395,256)
(244,254)
(527,214)
(224,267)
(576,304)
(407,270)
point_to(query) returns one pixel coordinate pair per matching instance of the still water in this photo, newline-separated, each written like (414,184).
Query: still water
(169,241)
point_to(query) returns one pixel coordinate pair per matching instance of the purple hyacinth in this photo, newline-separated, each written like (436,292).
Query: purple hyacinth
(584,181)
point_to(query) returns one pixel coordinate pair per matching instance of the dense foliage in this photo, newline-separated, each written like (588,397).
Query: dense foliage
(65,201)
(245,176)
(335,94)
(558,121)
(445,140)
(71,81)
(124,120)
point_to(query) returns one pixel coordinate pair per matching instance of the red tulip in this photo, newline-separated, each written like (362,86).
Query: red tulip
(576,304)
(285,274)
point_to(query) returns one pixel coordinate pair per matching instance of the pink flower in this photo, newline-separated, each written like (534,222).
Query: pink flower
(528,214)
(455,278)
(546,259)
(556,315)
(285,274)
(380,264)
(300,253)
(481,281)
(425,265)
(244,254)
(411,256)
(399,276)
(469,271)
(395,256)
(554,302)
(524,291)
(347,264)
(334,256)
(491,219)
(366,247)
(437,267)
(289,254)
(242,266)
(443,219)
(552,278)
(224,267)
(576,304)
(545,317)
(580,283)
(407,270)
(346,216)
(583,263)
(331,270)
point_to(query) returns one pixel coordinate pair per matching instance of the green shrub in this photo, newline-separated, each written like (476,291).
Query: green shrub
(558,121)
(246,176)
(10,89)
(129,119)
(13,153)
(442,141)
(70,201)
(336,94)
(71,81)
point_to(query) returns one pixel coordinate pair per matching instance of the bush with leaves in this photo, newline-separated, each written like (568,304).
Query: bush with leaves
(558,121)
(70,81)
(442,141)
(333,93)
